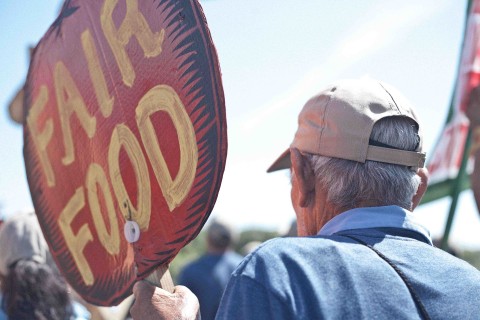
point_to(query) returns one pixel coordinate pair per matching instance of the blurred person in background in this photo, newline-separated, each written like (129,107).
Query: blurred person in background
(31,286)
(207,276)
(357,174)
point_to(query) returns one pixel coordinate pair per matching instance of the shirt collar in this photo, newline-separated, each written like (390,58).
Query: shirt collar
(375,217)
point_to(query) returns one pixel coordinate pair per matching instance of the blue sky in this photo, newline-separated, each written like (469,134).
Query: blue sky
(275,54)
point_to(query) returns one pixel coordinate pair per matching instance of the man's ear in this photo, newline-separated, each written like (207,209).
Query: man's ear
(423,174)
(304,176)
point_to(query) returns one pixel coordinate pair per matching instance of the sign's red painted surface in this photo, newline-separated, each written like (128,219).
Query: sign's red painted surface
(125,120)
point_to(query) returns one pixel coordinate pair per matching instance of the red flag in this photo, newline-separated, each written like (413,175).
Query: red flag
(444,164)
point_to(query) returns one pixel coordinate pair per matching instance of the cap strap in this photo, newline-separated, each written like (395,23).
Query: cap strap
(394,156)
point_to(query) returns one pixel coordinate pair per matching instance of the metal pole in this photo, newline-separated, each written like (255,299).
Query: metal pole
(456,189)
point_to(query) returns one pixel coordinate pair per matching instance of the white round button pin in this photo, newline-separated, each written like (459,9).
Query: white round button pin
(132,231)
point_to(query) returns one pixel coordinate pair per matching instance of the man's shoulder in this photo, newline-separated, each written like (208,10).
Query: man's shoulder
(296,250)
(298,244)
(281,263)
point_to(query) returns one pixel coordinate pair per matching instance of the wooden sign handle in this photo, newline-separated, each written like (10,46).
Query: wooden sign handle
(161,278)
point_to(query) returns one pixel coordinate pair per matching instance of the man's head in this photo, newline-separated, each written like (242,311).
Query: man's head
(358,144)
(220,236)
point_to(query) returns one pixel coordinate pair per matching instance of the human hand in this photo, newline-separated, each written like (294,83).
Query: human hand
(155,303)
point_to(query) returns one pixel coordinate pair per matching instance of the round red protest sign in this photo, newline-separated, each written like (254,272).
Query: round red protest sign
(125,138)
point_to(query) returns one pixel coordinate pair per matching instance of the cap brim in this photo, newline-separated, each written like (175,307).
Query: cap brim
(283,162)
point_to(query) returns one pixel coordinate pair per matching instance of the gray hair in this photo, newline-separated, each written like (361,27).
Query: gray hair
(350,183)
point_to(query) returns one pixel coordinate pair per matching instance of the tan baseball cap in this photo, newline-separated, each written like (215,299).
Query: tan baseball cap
(337,123)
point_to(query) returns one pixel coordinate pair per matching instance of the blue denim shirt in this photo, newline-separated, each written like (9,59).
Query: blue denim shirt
(331,276)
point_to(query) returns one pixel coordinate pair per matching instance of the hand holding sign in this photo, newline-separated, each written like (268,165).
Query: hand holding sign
(125,125)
